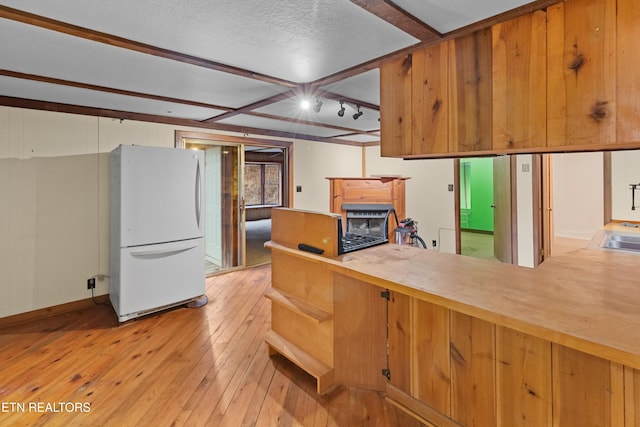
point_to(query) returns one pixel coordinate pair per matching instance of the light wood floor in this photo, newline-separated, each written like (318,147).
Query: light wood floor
(201,367)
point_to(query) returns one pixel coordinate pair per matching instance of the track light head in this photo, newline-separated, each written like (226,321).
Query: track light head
(357,115)
(341,110)
(318,105)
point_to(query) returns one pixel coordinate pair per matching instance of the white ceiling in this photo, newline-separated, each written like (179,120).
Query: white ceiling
(236,64)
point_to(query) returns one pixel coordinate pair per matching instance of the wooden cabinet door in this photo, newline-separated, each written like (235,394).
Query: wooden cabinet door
(472,371)
(523,380)
(470,92)
(395,107)
(429,123)
(519,81)
(628,62)
(581,101)
(431,370)
(587,391)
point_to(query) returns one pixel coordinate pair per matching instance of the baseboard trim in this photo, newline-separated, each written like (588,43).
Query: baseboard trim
(42,313)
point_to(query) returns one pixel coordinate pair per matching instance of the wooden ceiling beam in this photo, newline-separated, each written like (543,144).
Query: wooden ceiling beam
(70,83)
(110,39)
(125,115)
(259,104)
(389,12)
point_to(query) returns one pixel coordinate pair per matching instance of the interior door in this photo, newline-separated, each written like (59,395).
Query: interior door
(223,201)
(502,209)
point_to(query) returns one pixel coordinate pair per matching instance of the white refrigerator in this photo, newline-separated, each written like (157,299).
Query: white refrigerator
(156,243)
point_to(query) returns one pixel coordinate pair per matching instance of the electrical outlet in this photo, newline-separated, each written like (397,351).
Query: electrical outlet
(91,283)
(434,243)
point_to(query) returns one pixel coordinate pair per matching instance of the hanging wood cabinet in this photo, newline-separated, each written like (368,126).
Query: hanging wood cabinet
(554,80)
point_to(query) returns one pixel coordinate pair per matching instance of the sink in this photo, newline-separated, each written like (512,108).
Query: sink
(622,241)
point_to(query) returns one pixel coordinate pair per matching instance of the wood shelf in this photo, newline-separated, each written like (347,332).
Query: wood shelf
(321,372)
(297,305)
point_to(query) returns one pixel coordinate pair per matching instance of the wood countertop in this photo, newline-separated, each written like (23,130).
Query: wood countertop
(588,299)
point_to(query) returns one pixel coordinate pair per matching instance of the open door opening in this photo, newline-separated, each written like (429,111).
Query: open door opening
(244,179)
(265,187)
(485,208)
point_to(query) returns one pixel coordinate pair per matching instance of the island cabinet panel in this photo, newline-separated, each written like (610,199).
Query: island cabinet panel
(632,397)
(472,371)
(628,63)
(395,103)
(523,378)
(430,100)
(470,92)
(360,334)
(431,376)
(587,391)
(581,101)
(519,65)
(297,329)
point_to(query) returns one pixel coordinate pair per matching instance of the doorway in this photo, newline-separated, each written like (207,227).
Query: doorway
(484,207)
(264,188)
(227,232)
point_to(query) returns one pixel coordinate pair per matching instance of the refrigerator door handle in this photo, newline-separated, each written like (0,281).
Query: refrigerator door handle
(198,195)
(162,252)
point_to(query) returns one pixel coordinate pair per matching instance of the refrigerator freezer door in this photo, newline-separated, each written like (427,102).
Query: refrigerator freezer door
(158,276)
(160,194)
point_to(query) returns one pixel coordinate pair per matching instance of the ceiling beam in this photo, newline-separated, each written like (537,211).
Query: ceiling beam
(350,131)
(389,12)
(259,104)
(100,37)
(125,115)
(70,83)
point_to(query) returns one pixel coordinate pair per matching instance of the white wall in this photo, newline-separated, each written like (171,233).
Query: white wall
(578,194)
(54,198)
(316,161)
(625,170)
(428,199)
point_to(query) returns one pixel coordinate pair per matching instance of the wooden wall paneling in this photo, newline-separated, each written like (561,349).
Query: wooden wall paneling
(632,397)
(519,65)
(399,321)
(395,107)
(365,191)
(360,334)
(472,371)
(628,78)
(523,380)
(581,103)
(431,370)
(430,100)
(470,92)
(587,391)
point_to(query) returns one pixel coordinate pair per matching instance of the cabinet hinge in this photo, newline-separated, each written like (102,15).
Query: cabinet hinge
(386,373)
(386,295)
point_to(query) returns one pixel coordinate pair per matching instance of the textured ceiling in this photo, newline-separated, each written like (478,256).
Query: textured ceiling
(225,64)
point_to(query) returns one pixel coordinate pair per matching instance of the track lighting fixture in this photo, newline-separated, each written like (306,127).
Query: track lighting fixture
(357,115)
(318,105)
(341,110)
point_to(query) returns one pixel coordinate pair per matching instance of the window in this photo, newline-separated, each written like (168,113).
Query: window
(262,184)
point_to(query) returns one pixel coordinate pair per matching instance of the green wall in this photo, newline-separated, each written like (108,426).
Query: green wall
(479,192)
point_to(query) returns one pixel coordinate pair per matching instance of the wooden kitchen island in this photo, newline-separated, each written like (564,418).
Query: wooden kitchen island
(460,341)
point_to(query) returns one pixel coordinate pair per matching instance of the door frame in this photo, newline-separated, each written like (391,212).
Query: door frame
(287,192)
(512,211)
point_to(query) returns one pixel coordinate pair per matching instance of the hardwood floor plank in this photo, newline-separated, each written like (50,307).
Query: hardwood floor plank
(183,367)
